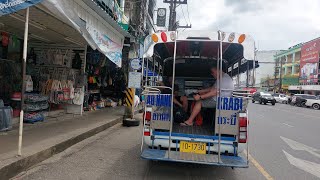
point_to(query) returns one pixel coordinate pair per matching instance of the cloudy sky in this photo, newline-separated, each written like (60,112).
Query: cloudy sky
(274,24)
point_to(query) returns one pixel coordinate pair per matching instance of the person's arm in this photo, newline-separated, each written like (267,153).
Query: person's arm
(203,91)
(211,93)
(175,101)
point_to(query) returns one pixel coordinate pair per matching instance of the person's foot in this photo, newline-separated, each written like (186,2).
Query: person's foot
(186,123)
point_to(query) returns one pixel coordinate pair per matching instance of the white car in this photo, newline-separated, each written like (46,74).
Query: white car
(281,98)
(314,103)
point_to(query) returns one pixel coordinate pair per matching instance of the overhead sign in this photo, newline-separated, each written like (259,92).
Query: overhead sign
(135,64)
(161,17)
(11,6)
(111,49)
(309,61)
(134,80)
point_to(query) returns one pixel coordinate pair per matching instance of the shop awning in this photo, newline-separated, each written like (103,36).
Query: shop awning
(11,6)
(97,32)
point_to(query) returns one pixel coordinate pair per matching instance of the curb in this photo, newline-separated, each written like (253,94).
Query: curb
(23,164)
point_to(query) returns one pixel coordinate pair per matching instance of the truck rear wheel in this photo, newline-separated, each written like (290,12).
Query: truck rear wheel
(130,122)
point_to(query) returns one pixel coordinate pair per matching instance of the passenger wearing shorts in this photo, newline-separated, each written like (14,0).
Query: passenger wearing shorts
(207,97)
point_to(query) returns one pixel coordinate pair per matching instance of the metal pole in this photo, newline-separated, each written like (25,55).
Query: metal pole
(219,81)
(147,70)
(172,89)
(24,59)
(142,70)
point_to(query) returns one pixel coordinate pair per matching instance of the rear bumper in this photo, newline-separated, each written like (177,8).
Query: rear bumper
(226,144)
(208,159)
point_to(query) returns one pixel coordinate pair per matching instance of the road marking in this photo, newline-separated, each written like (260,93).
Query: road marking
(306,115)
(287,125)
(310,167)
(300,147)
(259,167)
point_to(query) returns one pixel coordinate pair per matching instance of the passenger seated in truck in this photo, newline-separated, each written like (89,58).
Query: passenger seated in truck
(207,97)
(181,101)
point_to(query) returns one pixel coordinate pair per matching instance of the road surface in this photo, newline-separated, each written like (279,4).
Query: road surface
(284,144)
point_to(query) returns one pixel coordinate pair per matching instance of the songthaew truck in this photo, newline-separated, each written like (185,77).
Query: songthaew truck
(220,134)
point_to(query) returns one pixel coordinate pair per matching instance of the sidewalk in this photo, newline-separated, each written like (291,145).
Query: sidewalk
(44,139)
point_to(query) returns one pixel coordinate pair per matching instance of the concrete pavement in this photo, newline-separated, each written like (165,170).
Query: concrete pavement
(42,140)
(277,135)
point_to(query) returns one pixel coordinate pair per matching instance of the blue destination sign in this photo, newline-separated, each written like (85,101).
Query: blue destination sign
(230,103)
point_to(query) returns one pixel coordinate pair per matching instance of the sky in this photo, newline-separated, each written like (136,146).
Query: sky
(274,24)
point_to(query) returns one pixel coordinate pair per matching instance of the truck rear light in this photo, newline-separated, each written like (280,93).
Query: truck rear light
(147,116)
(146,133)
(243,125)
(242,137)
(243,129)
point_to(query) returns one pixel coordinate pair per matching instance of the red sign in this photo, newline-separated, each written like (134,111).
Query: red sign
(309,61)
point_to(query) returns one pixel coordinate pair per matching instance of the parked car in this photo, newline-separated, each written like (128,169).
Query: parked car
(281,98)
(301,99)
(314,103)
(264,98)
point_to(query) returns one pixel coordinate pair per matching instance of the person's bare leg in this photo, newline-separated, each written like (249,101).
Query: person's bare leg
(195,112)
(184,101)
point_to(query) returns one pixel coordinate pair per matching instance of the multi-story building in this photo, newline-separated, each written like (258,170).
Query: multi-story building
(297,69)
(287,67)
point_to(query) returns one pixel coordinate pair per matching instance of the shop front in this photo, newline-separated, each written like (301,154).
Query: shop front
(73,59)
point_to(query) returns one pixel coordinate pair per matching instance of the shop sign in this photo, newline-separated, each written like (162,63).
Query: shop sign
(290,80)
(309,61)
(135,64)
(11,6)
(134,80)
(112,50)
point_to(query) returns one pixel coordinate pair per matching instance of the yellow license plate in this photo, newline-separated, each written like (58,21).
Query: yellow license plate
(193,147)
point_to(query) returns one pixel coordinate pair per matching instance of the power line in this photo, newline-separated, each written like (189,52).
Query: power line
(184,15)
(188,13)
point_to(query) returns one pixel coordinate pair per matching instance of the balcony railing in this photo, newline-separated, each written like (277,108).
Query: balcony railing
(113,9)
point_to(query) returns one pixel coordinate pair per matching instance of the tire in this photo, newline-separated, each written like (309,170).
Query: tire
(273,103)
(260,102)
(253,101)
(264,103)
(284,102)
(130,122)
(316,106)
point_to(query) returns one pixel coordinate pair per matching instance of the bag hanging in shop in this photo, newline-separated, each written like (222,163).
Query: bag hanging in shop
(70,84)
(67,59)
(76,61)
(29,83)
(66,90)
(5,39)
(50,56)
(59,93)
(58,58)
(42,59)
(81,80)
(32,57)
(78,97)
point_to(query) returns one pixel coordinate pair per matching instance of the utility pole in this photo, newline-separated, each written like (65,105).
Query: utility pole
(173,25)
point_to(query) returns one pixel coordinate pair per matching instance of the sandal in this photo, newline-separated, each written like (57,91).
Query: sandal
(185,124)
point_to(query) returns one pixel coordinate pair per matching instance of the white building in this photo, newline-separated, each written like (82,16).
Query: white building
(266,65)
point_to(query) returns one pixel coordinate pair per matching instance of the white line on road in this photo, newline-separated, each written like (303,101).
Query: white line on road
(306,115)
(287,125)
(300,147)
(310,167)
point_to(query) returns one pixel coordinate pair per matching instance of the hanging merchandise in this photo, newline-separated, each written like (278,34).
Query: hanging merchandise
(29,83)
(50,56)
(58,93)
(14,41)
(78,97)
(32,57)
(5,39)
(70,84)
(76,61)
(67,59)
(81,80)
(58,58)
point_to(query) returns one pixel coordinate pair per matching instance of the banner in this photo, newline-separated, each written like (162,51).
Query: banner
(11,6)
(111,49)
(309,61)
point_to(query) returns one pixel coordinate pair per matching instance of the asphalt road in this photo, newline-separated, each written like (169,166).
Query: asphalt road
(284,144)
